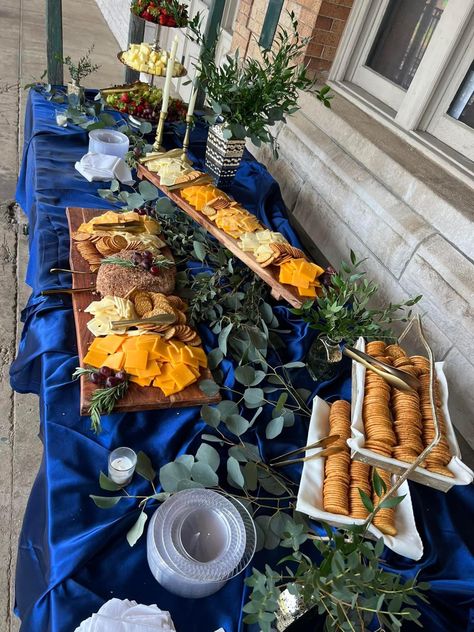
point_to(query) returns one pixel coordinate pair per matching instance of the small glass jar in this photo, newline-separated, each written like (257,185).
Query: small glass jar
(324,359)
(122,463)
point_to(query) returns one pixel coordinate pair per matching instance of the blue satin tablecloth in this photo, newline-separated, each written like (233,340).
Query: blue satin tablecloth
(72,555)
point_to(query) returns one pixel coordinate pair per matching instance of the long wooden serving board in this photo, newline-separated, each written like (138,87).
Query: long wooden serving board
(137,397)
(268,274)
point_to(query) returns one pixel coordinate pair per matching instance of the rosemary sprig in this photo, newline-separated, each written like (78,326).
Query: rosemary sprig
(160,262)
(103,400)
(125,263)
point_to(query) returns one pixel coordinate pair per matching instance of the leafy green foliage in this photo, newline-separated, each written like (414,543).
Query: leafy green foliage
(348,586)
(251,95)
(342,312)
(82,68)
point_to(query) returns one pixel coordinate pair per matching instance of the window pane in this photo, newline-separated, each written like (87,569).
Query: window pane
(403,37)
(462,107)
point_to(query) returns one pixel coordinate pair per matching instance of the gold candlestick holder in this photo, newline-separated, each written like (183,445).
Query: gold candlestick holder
(184,155)
(157,146)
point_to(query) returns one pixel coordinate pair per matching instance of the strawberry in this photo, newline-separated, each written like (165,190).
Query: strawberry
(125,98)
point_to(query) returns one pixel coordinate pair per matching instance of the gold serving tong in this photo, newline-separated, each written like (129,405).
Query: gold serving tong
(123,226)
(159,319)
(322,443)
(204,179)
(67,290)
(396,377)
(158,155)
(54,270)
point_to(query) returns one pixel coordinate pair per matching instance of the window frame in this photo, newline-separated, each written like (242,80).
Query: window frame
(419,116)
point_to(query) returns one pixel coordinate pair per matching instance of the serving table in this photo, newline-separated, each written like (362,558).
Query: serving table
(74,556)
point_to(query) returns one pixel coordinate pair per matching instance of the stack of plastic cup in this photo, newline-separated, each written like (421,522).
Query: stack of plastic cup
(108,141)
(198,540)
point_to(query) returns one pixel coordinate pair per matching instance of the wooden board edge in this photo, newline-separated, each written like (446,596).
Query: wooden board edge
(279,290)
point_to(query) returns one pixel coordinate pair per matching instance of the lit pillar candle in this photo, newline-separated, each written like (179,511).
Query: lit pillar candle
(169,75)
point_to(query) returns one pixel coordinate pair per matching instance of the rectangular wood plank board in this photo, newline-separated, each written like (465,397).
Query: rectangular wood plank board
(137,397)
(268,274)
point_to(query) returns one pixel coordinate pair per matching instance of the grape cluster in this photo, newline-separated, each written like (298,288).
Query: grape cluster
(108,378)
(144,260)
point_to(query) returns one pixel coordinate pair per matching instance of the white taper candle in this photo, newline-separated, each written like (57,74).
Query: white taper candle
(169,75)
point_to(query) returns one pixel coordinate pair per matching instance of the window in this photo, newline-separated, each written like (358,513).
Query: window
(412,62)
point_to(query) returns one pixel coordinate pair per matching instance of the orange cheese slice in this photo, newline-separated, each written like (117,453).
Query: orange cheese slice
(182,375)
(310,291)
(95,358)
(141,381)
(115,361)
(137,358)
(109,344)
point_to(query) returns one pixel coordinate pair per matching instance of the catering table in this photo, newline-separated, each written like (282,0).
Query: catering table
(74,556)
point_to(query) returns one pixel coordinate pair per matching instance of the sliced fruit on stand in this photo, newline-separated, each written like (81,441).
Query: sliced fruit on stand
(149,360)
(302,274)
(170,13)
(144,101)
(144,58)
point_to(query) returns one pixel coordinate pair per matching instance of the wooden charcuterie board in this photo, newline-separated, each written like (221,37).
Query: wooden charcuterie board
(268,274)
(137,397)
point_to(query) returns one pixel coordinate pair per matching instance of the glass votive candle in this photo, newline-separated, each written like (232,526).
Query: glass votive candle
(122,463)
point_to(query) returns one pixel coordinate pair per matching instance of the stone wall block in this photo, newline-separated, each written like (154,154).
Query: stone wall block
(460,376)
(444,277)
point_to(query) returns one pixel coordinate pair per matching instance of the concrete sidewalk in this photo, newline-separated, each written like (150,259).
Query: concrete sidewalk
(23,54)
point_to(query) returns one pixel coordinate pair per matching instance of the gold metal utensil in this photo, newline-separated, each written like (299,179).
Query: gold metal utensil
(54,270)
(67,290)
(321,443)
(159,319)
(321,453)
(396,377)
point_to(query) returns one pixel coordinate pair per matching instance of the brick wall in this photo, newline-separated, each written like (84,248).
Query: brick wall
(320,20)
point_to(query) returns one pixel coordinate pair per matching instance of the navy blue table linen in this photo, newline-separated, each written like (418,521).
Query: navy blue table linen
(74,556)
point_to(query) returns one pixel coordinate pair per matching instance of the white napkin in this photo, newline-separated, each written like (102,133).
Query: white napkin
(104,168)
(128,616)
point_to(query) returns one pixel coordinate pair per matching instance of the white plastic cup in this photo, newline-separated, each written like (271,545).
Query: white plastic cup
(109,142)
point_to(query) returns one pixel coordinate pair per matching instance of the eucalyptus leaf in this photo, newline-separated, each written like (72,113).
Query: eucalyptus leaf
(294,365)
(187,460)
(189,484)
(245,375)
(214,358)
(274,428)
(105,502)
(237,424)
(227,408)
(135,533)
(207,454)
(254,396)
(148,191)
(211,415)
(108,484)
(209,387)
(212,438)
(171,474)
(203,473)
(222,339)
(135,200)
(234,472)
(250,475)
(144,467)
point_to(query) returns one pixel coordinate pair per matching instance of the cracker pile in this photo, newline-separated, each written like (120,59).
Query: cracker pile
(149,304)
(344,478)
(128,231)
(337,466)
(400,424)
